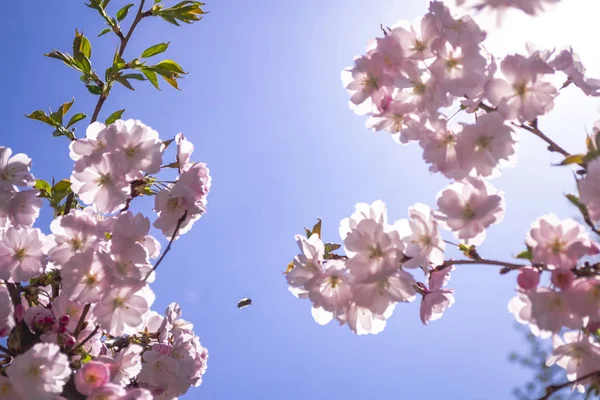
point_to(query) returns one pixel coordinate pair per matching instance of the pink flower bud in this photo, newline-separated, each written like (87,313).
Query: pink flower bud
(64,320)
(562,278)
(593,326)
(528,278)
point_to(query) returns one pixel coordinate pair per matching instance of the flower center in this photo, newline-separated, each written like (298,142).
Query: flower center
(375,252)
(520,89)
(104,180)
(468,211)
(20,253)
(483,143)
(334,281)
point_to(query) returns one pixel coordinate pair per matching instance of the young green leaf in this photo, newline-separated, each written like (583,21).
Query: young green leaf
(154,50)
(123,81)
(81,47)
(114,116)
(39,115)
(76,118)
(151,75)
(93,89)
(168,65)
(104,31)
(122,13)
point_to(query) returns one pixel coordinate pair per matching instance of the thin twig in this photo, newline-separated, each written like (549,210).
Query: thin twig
(87,339)
(69,202)
(79,327)
(14,292)
(552,145)
(124,41)
(508,265)
(179,223)
(550,390)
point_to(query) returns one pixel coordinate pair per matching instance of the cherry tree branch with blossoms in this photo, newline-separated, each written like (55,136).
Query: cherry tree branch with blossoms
(407,82)
(75,306)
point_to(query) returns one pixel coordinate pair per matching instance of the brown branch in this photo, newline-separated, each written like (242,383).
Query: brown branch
(504,264)
(550,390)
(87,339)
(179,223)
(124,41)
(79,327)
(552,145)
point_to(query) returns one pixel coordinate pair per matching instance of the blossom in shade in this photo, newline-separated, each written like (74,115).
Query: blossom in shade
(39,373)
(436,300)
(589,189)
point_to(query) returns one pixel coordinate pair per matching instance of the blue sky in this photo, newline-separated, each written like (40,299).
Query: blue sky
(265,107)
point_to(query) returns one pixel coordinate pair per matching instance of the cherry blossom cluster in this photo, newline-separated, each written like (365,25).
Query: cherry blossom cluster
(412,82)
(75,303)
(531,7)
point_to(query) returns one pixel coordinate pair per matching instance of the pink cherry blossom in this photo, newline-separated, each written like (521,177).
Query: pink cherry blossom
(421,236)
(160,367)
(372,249)
(379,293)
(363,321)
(396,118)
(416,42)
(562,278)
(185,148)
(523,95)
(568,62)
(376,211)
(139,148)
(487,145)
(74,233)
(552,310)
(440,149)
(84,278)
(421,89)
(528,278)
(531,7)
(460,70)
(7,320)
(436,300)
(40,372)
(102,185)
(91,376)
(110,391)
(184,201)
(131,230)
(589,189)
(14,171)
(307,264)
(366,78)
(21,254)
(125,266)
(469,207)
(559,243)
(578,354)
(7,391)
(331,289)
(19,208)
(121,311)
(89,149)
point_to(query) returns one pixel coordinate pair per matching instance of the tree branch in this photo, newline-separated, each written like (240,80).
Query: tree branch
(124,41)
(79,327)
(87,339)
(179,223)
(552,146)
(550,390)
(504,264)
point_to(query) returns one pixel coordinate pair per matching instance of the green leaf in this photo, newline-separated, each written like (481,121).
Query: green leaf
(123,81)
(154,50)
(151,75)
(44,188)
(104,31)
(138,77)
(76,118)
(93,89)
(525,254)
(114,116)
(82,48)
(39,115)
(170,80)
(122,13)
(65,107)
(171,165)
(61,190)
(331,247)
(168,65)
(185,11)
(167,142)
(573,159)
(316,229)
